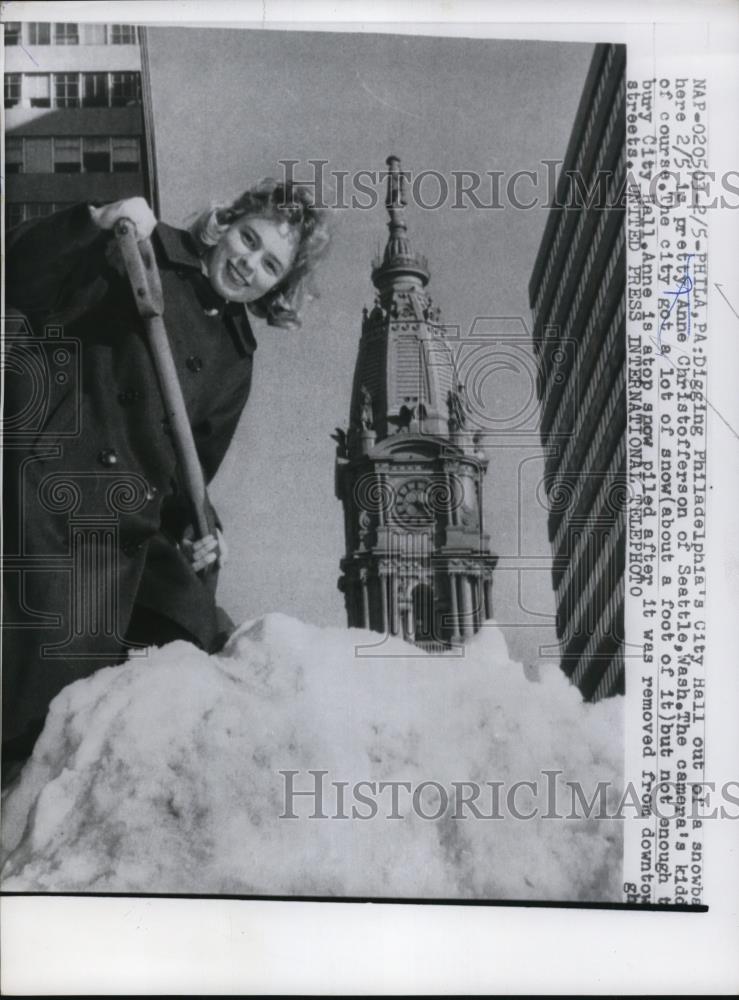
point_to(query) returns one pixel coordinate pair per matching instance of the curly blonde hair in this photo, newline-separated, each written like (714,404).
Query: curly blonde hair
(284,202)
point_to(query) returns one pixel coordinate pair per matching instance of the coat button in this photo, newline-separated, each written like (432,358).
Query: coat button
(108,457)
(194,363)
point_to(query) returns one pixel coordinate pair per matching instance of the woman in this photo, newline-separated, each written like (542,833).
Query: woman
(99,549)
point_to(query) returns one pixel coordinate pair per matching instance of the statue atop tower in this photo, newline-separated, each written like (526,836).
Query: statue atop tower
(409,471)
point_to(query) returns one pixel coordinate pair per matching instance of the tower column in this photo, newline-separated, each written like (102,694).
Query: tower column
(381,507)
(394,622)
(488,586)
(453,512)
(479,602)
(475,594)
(384,620)
(410,620)
(465,603)
(365,601)
(455,607)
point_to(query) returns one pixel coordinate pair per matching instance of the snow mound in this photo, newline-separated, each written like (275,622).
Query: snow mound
(163,774)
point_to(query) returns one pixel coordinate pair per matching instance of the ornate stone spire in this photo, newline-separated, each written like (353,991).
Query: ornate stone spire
(418,560)
(399,265)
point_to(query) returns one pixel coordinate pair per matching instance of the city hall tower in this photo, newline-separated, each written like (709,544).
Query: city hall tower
(409,469)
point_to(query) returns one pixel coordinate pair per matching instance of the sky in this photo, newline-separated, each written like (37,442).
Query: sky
(229,105)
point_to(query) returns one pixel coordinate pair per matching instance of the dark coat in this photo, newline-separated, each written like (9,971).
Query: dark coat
(94,508)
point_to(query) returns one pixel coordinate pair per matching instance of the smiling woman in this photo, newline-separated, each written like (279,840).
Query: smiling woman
(261,249)
(105,443)
(251,256)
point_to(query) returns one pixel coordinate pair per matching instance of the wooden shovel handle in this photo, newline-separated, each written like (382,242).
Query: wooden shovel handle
(140,262)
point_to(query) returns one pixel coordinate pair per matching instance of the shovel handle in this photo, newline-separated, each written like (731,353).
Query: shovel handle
(176,414)
(141,268)
(140,262)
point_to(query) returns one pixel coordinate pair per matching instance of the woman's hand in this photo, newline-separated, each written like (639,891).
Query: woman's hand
(205,551)
(135,209)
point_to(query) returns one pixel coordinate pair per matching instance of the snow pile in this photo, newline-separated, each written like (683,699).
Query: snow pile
(163,774)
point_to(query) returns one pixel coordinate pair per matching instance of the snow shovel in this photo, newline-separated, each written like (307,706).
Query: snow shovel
(141,267)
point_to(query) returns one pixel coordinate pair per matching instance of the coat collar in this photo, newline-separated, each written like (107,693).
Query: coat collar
(177,246)
(177,249)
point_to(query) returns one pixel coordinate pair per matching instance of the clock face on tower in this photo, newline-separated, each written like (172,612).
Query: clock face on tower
(412,506)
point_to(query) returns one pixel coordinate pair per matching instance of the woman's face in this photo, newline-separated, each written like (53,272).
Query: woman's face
(252,255)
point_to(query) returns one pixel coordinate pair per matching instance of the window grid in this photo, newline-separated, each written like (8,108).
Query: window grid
(38,209)
(559,229)
(13,33)
(21,211)
(67,156)
(36,90)
(66,33)
(72,90)
(12,89)
(67,90)
(94,34)
(91,154)
(13,155)
(37,152)
(126,154)
(96,155)
(95,90)
(62,33)
(39,33)
(123,34)
(125,89)
(13,215)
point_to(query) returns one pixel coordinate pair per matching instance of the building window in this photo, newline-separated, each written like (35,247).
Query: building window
(72,90)
(96,155)
(13,33)
(94,34)
(13,155)
(126,155)
(39,33)
(66,34)
(13,215)
(37,157)
(20,211)
(126,89)
(67,90)
(37,90)
(12,89)
(72,154)
(38,209)
(67,156)
(123,34)
(95,90)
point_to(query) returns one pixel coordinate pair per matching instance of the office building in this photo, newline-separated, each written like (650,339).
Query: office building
(74,121)
(577,295)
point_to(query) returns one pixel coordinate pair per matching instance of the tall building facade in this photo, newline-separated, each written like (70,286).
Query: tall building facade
(409,471)
(577,296)
(74,121)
